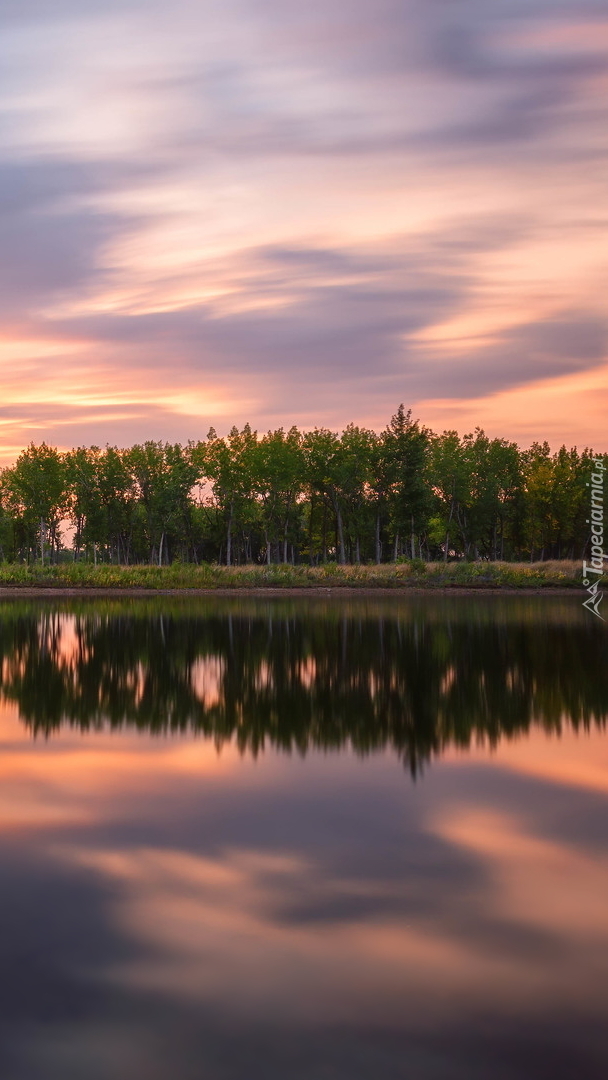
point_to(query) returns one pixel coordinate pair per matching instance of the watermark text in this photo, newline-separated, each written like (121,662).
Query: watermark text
(593,571)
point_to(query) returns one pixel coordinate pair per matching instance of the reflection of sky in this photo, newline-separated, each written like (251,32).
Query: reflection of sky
(220,211)
(170,912)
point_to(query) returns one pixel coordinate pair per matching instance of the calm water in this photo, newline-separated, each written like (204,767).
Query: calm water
(303,840)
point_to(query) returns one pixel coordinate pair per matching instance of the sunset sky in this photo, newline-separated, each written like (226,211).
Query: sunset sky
(215,211)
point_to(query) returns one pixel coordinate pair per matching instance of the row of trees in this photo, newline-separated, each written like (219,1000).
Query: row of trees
(295,496)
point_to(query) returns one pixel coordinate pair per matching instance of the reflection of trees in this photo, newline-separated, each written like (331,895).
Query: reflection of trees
(319,678)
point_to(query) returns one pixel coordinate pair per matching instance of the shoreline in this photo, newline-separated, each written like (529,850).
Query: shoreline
(269,592)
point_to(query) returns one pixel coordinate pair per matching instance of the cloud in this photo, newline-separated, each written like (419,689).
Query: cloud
(351,203)
(565,343)
(52,242)
(337,315)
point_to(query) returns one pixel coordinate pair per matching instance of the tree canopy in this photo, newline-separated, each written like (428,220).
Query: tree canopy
(292,496)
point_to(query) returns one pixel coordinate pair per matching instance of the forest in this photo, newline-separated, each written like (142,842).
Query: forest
(294,497)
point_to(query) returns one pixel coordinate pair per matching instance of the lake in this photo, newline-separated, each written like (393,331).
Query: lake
(303,839)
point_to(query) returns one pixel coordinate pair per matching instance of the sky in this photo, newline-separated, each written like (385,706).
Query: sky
(224,211)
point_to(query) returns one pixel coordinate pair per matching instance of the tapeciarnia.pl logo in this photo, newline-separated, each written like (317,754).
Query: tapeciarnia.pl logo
(596,521)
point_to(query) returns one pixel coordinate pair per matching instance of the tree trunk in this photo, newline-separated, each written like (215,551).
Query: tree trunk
(378,544)
(160,549)
(340,536)
(229,538)
(447,534)
(42,530)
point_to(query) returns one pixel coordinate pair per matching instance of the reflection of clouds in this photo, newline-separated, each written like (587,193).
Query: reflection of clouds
(527,930)
(211,932)
(540,884)
(294,898)
(99,1051)
(574,760)
(82,779)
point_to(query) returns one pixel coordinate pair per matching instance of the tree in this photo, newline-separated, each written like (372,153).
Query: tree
(494,480)
(277,481)
(229,465)
(353,477)
(84,504)
(165,475)
(324,467)
(450,481)
(406,449)
(37,487)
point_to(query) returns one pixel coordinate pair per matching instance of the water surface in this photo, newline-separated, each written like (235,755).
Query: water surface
(302,838)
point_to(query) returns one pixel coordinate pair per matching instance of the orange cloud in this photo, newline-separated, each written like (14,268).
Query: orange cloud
(251,225)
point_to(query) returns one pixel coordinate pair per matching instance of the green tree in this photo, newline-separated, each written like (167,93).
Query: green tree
(354,476)
(230,466)
(451,484)
(84,504)
(407,448)
(36,485)
(538,510)
(277,481)
(165,475)
(324,465)
(494,479)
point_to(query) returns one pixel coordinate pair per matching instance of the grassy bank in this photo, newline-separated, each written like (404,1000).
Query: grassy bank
(389,576)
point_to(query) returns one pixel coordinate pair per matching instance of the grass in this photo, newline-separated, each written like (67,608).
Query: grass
(210,576)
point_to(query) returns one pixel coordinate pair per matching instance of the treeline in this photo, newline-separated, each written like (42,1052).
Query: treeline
(293,497)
